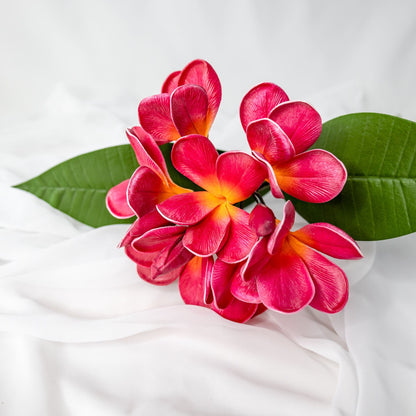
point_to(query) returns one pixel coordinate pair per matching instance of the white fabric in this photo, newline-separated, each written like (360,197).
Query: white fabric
(80,333)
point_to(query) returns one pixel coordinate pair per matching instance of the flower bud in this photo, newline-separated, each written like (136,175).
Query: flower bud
(262,220)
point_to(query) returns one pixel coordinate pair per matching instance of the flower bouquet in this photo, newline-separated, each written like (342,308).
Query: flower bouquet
(198,213)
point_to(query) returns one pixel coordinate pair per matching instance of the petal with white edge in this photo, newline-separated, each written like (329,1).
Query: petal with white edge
(116,201)
(300,121)
(195,157)
(171,82)
(189,106)
(329,240)
(313,176)
(239,175)
(200,72)
(285,284)
(240,239)
(207,236)
(155,118)
(331,284)
(147,151)
(267,138)
(188,208)
(281,231)
(260,101)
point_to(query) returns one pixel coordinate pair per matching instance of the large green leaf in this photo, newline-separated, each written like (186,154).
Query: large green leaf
(379,198)
(79,185)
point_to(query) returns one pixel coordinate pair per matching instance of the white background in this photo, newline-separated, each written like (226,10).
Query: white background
(80,333)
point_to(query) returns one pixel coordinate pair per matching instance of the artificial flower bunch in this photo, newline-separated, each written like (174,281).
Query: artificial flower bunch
(234,262)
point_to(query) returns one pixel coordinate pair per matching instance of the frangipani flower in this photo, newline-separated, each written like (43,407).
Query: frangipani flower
(187,105)
(279,132)
(195,288)
(149,184)
(285,271)
(215,224)
(157,262)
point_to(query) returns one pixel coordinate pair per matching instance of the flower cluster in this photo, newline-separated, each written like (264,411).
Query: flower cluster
(234,262)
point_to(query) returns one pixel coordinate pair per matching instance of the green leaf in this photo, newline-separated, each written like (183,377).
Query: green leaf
(79,185)
(379,198)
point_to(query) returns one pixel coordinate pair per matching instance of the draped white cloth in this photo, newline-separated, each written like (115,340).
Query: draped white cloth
(80,333)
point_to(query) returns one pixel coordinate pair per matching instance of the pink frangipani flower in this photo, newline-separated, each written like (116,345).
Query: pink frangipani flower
(157,262)
(215,224)
(285,271)
(187,105)
(279,132)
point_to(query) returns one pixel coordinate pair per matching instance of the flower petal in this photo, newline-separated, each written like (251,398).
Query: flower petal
(267,138)
(195,157)
(256,260)
(192,287)
(222,276)
(116,201)
(206,237)
(188,208)
(300,121)
(145,223)
(329,240)
(171,82)
(246,291)
(331,284)
(285,284)
(259,101)
(147,151)
(170,258)
(193,279)
(144,262)
(145,259)
(158,238)
(237,311)
(155,118)
(260,309)
(239,175)
(146,189)
(275,241)
(271,176)
(189,106)
(160,280)
(313,176)
(240,239)
(200,72)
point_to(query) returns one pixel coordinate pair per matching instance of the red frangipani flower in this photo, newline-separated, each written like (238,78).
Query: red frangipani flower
(187,105)
(215,224)
(285,272)
(279,132)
